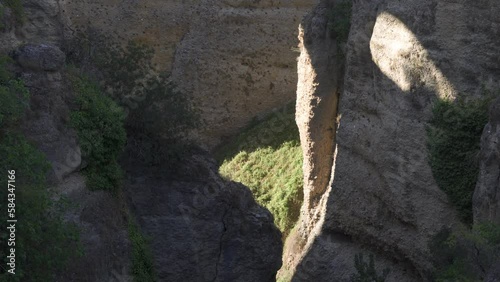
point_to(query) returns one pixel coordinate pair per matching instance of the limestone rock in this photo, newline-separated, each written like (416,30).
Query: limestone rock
(203,228)
(401,56)
(42,57)
(47,121)
(41,24)
(486,201)
(235,58)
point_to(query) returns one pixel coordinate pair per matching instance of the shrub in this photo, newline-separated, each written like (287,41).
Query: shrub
(453,141)
(14,97)
(366,271)
(16,6)
(100,125)
(466,255)
(44,242)
(125,70)
(159,116)
(142,259)
(158,127)
(340,20)
(267,158)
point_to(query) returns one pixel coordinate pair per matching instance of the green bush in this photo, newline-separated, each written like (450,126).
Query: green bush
(340,20)
(453,139)
(366,271)
(465,255)
(14,97)
(267,158)
(100,125)
(16,6)
(142,259)
(160,117)
(125,70)
(159,125)
(44,242)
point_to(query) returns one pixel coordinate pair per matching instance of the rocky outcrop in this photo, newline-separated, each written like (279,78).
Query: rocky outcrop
(97,215)
(104,239)
(203,228)
(486,201)
(41,23)
(40,57)
(319,82)
(401,55)
(235,58)
(41,68)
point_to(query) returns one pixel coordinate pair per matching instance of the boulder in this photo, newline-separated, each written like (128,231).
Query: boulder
(40,57)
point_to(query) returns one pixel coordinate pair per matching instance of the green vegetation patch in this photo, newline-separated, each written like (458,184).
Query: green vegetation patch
(366,271)
(43,242)
(14,97)
(340,20)
(142,258)
(267,158)
(159,116)
(466,255)
(16,6)
(99,122)
(453,141)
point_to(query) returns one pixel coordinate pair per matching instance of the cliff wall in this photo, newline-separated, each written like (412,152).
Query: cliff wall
(401,56)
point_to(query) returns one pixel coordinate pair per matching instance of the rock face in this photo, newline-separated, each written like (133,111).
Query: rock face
(401,55)
(97,214)
(41,24)
(203,228)
(486,201)
(40,57)
(235,58)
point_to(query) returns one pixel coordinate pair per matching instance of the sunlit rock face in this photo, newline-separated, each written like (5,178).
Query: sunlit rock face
(382,198)
(236,59)
(400,56)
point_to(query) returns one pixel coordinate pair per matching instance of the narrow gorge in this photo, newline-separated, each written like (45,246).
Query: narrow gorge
(250,140)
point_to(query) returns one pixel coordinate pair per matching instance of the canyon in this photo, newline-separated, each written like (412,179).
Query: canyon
(363,108)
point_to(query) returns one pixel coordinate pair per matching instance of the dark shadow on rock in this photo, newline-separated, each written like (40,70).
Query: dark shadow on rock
(203,228)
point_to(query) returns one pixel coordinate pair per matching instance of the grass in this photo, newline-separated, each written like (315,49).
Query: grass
(267,158)
(142,259)
(453,138)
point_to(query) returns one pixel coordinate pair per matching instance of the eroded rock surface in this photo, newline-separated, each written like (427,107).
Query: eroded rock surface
(486,201)
(203,228)
(40,64)
(401,55)
(236,59)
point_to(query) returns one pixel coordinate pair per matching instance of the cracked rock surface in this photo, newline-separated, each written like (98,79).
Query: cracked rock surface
(203,228)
